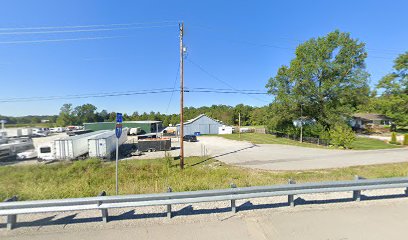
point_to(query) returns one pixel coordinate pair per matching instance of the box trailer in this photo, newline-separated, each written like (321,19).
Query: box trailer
(73,147)
(152,145)
(104,145)
(13,132)
(12,148)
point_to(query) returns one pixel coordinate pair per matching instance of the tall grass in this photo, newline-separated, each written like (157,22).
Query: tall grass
(89,177)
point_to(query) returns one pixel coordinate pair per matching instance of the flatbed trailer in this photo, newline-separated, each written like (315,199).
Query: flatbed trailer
(155,144)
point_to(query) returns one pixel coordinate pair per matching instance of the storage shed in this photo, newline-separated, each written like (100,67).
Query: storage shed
(145,126)
(201,124)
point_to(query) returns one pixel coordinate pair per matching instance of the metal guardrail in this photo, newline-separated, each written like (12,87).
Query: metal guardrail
(11,208)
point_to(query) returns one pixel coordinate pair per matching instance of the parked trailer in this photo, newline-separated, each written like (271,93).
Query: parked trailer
(12,148)
(102,146)
(27,132)
(69,148)
(152,145)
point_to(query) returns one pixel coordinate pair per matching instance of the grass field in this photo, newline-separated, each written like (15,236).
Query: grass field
(360,143)
(257,138)
(363,143)
(89,177)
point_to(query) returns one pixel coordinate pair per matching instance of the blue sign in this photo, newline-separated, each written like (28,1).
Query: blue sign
(118,130)
(119,117)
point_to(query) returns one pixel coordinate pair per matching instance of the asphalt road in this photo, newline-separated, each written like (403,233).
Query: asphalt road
(384,219)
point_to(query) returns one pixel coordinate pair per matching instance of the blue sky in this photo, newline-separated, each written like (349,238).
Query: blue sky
(242,43)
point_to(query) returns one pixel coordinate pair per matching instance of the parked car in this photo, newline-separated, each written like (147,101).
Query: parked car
(190,138)
(30,154)
(57,130)
(40,133)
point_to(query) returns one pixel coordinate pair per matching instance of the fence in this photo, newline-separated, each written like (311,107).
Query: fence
(11,208)
(314,140)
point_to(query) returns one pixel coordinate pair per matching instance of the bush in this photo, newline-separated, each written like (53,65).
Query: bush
(393,138)
(405,142)
(342,136)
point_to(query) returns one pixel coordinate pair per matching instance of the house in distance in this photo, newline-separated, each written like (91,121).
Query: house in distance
(370,121)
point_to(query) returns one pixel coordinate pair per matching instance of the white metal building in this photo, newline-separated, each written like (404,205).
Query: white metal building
(201,124)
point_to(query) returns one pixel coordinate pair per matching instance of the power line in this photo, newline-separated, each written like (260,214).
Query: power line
(220,80)
(267,45)
(131,93)
(85,26)
(174,87)
(83,30)
(60,40)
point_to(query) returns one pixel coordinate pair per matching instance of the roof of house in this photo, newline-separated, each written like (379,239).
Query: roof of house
(371,116)
(198,117)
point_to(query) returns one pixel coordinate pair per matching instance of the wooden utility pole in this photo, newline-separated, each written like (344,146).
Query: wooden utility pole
(181,25)
(239,125)
(301,122)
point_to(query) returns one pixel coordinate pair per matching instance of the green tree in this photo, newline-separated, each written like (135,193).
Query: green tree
(327,78)
(85,113)
(342,136)
(66,115)
(393,100)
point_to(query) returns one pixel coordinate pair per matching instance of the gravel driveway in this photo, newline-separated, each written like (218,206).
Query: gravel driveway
(286,157)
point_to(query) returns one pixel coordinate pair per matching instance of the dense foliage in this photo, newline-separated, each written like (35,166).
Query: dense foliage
(229,115)
(393,99)
(325,82)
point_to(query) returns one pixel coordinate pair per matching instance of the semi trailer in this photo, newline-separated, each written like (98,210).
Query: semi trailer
(69,148)
(104,145)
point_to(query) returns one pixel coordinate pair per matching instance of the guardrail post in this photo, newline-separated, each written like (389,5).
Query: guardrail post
(291,197)
(11,219)
(104,211)
(357,193)
(169,215)
(233,206)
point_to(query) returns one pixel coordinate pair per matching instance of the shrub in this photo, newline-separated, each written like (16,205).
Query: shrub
(405,142)
(393,138)
(342,136)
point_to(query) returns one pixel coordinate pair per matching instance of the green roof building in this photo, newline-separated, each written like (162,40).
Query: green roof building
(146,127)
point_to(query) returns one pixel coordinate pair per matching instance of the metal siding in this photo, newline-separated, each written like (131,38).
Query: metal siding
(145,127)
(204,125)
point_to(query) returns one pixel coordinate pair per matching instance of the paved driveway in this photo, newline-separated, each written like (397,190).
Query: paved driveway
(286,157)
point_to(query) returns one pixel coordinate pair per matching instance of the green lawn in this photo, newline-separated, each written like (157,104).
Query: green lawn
(256,138)
(89,177)
(363,143)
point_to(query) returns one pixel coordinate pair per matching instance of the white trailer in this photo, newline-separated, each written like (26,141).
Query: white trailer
(104,145)
(27,132)
(13,132)
(69,148)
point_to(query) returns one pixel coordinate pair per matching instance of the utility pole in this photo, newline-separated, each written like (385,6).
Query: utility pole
(239,125)
(181,26)
(301,123)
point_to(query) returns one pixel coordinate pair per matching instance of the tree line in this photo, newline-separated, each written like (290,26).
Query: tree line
(229,115)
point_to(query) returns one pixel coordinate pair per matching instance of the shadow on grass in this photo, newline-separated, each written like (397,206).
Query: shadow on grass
(188,210)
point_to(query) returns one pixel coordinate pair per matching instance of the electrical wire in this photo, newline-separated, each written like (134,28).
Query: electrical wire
(174,87)
(85,26)
(84,30)
(132,93)
(220,80)
(61,40)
